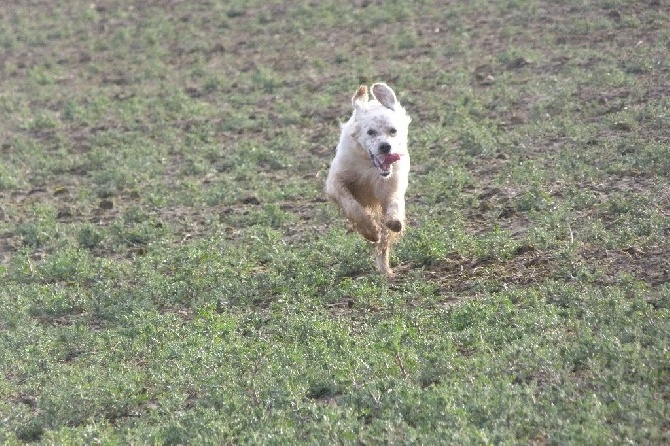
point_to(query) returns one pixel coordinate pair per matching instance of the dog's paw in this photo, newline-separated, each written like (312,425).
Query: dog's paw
(372,236)
(394,225)
(369,232)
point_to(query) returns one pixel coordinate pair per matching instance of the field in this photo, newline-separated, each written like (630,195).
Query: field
(171,272)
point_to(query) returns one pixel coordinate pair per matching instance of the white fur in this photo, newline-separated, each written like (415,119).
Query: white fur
(370,189)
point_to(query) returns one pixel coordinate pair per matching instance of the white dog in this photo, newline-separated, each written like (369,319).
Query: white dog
(368,177)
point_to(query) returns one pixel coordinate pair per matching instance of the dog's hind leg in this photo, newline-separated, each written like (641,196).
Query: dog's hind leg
(383,251)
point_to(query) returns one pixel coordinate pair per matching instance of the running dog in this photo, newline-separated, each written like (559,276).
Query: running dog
(368,176)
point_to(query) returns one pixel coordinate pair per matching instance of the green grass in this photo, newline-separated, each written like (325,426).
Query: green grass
(171,273)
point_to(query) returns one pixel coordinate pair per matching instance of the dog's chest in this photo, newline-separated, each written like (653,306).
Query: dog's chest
(369,187)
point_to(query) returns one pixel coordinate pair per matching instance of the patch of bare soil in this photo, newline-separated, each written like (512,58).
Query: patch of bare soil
(651,265)
(457,274)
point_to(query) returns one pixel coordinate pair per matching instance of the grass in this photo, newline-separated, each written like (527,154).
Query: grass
(172,274)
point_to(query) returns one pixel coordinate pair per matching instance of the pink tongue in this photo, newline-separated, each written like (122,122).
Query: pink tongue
(391,158)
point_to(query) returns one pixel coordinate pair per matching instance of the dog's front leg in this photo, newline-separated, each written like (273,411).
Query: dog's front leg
(355,212)
(394,213)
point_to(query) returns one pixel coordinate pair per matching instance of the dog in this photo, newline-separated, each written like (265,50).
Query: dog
(369,175)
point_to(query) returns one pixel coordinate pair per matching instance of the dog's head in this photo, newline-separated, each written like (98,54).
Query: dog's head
(381,126)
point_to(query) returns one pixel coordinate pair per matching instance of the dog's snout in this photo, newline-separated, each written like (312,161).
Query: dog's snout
(384,147)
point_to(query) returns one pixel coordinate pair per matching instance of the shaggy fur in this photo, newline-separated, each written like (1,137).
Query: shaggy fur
(368,176)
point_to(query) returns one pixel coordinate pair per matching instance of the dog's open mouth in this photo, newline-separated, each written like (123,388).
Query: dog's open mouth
(383,162)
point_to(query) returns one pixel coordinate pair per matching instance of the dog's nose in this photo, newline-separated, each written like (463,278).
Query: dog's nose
(384,147)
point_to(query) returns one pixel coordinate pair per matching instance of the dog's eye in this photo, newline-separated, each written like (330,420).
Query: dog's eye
(372,132)
(393,131)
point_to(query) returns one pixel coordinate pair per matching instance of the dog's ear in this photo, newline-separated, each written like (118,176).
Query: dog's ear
(360,98)
(355,130)
(385,95)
